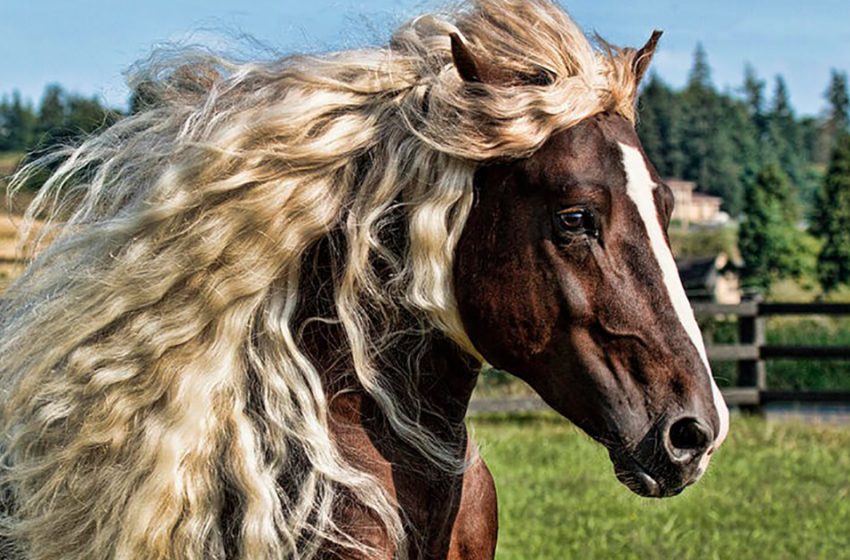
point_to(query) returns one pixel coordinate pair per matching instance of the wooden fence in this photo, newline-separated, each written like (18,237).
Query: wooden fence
(752,351)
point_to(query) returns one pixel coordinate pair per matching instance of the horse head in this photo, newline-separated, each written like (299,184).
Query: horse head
(564,276)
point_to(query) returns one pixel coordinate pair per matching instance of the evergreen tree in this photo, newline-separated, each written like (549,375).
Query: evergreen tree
(699,116)
(832,218)
(5,131)
(714,131)
(838,116)
(810,130)
(754,98)
(18,124)
(700,74)
(784,136)
(747,149)
(771,245)
(660,125)
(50,126)
(839,102)
(86,115)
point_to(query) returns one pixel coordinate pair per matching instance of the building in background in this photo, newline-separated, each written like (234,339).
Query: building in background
(712,279)
(694,207)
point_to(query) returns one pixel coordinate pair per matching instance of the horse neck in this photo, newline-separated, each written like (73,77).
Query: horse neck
(443,380)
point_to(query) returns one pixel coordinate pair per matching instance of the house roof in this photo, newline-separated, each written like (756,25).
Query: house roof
(698,273)
(681,184)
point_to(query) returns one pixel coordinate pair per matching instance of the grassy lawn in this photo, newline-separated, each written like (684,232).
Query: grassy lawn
(775,490)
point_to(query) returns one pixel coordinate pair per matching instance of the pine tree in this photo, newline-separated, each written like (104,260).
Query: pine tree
(715,130)
(810,130)
(85,115)
(771,245)
(660,125)
(754,98)
(838,116)
(5,131)
(832,219)
(839,102)
(50,126)
(699,100)
(784,136)
(18,125)
(700,74)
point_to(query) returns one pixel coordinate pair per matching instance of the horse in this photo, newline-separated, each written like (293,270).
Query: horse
(254,319)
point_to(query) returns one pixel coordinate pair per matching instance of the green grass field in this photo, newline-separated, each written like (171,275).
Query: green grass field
(775,490)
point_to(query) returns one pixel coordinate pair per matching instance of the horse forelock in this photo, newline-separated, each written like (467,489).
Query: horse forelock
(149,355)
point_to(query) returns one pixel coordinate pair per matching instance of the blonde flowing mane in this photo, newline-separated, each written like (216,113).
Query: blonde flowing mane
(150,358)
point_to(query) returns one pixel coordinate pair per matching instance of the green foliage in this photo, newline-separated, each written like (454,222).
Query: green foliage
(51,117)
(810,131)
(772,491)
(754,98)
(771,245)
(699,77)
(704,242)
(839,101)
(832,219)
(783,138)
(838,118)
(17,124)
(660,127)
(722,141)
(715,154)
(61,118)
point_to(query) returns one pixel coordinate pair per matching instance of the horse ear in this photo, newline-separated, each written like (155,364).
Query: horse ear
(644,56)
(473,70)
(464,60)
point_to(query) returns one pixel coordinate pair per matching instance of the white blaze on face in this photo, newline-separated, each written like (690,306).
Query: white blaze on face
(640,188)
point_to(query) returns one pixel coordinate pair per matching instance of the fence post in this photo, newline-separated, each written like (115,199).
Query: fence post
(752,373)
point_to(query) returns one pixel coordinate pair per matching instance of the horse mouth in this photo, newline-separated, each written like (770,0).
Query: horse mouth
(640,480)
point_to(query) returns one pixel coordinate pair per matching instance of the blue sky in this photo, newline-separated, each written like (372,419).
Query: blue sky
(86,45)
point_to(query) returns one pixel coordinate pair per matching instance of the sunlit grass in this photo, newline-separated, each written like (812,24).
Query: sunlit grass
(773,491)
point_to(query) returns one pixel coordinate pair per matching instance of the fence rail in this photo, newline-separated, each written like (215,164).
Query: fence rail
(752,351)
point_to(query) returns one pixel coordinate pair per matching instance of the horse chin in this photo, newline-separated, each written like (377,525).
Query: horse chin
(641,480)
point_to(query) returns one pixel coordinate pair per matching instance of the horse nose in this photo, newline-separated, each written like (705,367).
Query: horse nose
(687,438)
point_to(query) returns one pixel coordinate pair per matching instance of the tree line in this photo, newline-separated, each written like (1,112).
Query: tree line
(786,179)
(59,118)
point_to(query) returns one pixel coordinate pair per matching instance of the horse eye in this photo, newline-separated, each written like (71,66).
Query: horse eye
(578,221)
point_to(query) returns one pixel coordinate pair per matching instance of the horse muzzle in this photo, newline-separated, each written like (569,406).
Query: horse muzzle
(671,457)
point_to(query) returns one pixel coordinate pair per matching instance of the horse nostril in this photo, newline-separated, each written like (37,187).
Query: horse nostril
(689,435)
